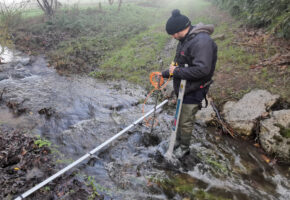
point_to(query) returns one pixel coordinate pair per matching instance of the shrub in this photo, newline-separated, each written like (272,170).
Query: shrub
(274,15)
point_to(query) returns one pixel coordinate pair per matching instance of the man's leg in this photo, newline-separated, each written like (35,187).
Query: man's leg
(187,117)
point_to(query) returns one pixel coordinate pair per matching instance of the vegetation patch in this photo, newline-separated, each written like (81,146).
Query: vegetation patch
(284,131)
(130,43)
(91,183)
(136,59)
(185,186)
(275,15)
(77,39)
(41,142)
(249,59)
(217,165)
(22,163)
(98,191)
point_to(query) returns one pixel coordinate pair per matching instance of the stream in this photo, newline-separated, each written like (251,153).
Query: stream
(77,113)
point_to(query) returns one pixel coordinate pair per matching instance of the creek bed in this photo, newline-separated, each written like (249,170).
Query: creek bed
(77,113)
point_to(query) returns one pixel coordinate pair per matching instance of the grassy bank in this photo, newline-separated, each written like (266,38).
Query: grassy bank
(148,51)
(129,44)
(246,61)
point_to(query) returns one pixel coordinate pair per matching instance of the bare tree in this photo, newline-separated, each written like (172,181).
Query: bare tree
(100,6)
(120,3)
(49,6)
(119,6)
(111,2)
(9,10)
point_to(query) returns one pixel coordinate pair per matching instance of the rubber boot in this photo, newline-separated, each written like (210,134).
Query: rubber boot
(181,151)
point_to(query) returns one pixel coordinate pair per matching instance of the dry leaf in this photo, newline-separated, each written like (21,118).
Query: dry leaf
(266,159)
(23,152)
(257,145)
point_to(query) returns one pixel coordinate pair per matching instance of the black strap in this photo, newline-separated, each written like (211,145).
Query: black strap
(206,101)
(205,88)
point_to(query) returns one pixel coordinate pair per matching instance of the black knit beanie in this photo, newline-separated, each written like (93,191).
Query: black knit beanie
(177,22)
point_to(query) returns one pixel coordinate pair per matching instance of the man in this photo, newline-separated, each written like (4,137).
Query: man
(199,52)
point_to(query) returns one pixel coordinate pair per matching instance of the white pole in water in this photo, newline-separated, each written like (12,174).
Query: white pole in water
(40,185)
(181,92)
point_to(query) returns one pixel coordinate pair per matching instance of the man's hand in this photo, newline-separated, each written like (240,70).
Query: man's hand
(171,69)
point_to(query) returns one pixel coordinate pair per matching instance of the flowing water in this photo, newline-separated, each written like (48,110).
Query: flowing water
(77,113)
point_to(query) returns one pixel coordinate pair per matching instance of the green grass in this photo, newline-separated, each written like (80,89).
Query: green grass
(284,131)
(120,45)
(136,59)
(91,182)
(217,165)
(95,36)
(229,53)
(96,188)
(129,44)
(233,68)
(36,12)
(139,56)
(30,13)
(64,161)
(41,142)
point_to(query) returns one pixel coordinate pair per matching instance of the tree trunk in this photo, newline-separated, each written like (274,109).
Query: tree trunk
(100,6)
(111,2)
(120,3)
(48,6)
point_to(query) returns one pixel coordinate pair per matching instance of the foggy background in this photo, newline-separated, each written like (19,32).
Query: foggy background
(33,3)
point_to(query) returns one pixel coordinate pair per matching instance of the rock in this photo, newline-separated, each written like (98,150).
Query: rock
(3,77)
(48,112)
(20,74)
(16,105)
(115,106)
(242,115)
(270,135)
(205,115)
(19,66)
(24,61)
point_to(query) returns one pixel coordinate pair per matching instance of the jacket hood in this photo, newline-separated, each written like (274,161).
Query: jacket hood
(200,27)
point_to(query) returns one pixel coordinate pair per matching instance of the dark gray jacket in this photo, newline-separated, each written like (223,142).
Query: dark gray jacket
(199,51)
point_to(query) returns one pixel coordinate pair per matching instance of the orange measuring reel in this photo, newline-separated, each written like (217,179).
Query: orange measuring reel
(154,76)
(157,81)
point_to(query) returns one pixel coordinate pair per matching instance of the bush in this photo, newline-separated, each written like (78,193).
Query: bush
(274,15)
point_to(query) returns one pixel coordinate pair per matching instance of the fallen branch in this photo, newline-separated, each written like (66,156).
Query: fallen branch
(225,127)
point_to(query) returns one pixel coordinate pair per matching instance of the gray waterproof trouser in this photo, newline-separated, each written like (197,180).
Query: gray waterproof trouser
(186,121)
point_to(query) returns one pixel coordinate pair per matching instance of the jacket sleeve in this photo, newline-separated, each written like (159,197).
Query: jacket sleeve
(202,52)
(165,73)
